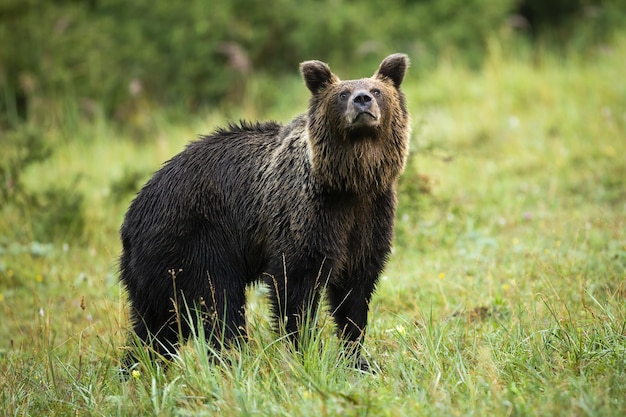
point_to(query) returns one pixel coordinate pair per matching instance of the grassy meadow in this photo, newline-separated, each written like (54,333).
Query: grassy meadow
(505,294)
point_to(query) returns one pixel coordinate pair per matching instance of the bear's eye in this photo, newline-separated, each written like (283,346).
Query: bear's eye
(376,92)
(343,95)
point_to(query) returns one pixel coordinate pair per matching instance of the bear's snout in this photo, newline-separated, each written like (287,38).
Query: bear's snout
(364,109)
(362,100)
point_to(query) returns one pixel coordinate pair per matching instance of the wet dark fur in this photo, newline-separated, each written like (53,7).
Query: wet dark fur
(298,207)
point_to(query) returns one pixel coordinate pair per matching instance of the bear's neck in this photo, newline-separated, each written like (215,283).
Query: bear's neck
(369,165)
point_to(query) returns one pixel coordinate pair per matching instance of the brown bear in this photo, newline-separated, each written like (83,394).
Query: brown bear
(306,208)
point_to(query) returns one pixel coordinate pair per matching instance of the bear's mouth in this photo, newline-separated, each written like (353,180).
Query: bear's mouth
(364,117)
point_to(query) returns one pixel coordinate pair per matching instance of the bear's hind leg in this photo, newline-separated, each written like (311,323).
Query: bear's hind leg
(158,337)
(221,309)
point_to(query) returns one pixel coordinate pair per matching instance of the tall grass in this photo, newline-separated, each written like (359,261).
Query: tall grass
(504,295)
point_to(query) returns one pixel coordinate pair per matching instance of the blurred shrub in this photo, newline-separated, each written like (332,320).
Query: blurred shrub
(128,184)
(21,148)
(579,21)
(121,57)
(57,214)
(52,214)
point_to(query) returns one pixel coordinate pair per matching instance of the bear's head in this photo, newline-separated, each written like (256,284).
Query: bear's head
(358,130)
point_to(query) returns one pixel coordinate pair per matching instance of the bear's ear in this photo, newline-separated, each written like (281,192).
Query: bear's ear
(316,75)
(393,67)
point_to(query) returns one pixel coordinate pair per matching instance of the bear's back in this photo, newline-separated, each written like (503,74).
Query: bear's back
(208,172)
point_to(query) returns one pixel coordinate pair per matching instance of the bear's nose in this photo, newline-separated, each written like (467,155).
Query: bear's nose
(362,100)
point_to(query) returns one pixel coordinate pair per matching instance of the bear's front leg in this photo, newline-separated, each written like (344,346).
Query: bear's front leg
(295,294)
(294,306)
(349,308)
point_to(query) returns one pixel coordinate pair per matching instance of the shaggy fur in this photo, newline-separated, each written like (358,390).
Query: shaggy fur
(300,207)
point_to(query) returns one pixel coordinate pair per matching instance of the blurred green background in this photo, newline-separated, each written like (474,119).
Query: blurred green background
(117,58)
